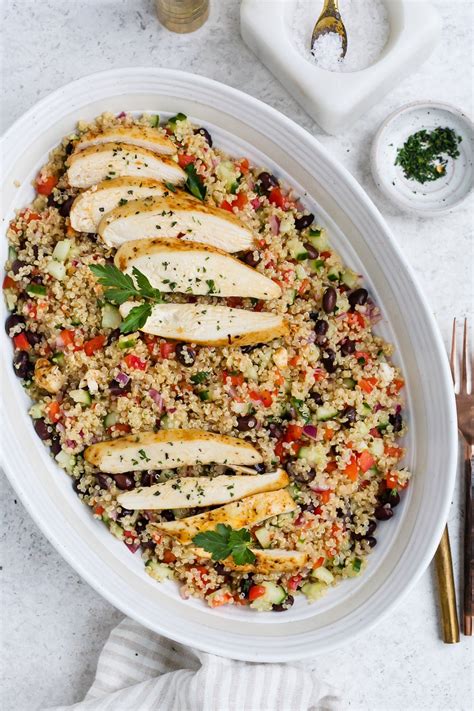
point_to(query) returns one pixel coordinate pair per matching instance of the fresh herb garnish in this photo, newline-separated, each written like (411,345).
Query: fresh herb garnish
(225,541)
(121,287)
(171,187)
(194,183)
(421,156)
(200,377)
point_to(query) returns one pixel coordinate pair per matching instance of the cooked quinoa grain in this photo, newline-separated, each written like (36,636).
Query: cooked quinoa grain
(323,402)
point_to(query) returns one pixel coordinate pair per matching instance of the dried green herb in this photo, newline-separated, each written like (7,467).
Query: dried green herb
(423,155)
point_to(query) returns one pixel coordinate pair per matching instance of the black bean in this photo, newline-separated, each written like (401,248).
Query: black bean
(316,397)
(12,322)
(220,568)
(35,251)
(371,527)
(249,349)
(75,486)
(55,445)
(65,207)
(103,480)
(390,496)
(312,251)
(168,515)
(329,299)
(22,365)
(185,354)
(125,512)
(348,415)
(358,298)
(329,360)
(371,541)
(205,133)
(259,468)
(285,605)
(310,508)
(321,327)
(140,524)
(17,264)
(246,422)
(347,346)
(42,429)
(113,336)
(314,315)
(36,279)
(148,478)
(124,481)
(357,536)
(275,430)
(69,148)
(297,475)
(244,586)
(251,259)
(396,421)
(267,181)
(33,337)
(51,201)
(304,221)
(116,389)
(383,513)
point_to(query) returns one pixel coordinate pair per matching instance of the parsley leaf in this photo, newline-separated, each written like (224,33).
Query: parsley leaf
(144,286)
(225,541)
(200,377)
(136,318)
(120,286)
(194,183)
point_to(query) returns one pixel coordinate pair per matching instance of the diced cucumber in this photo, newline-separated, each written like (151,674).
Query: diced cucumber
(204,395)
(12,254)
(334,274)
(300,272)
(349,278)
(325,412)
(301,408)
(366,410)
(111,419)
(36,411)
(154,120)
(165,422)
(116,530)
(291,296)
(297,249)
(227,172)
(383,420)
(58,357)
(111,317)
(263,537)
(158,571)
(56,269)
(274,595)
(61,250)
(66,461)
(315,454)
(82,397)
(316,265)
(349,383)
(356,565)
(127,341)
(318,239)
(10,298)
(323,575)
(174,120)
(294,491)
(35,290)
(313,591)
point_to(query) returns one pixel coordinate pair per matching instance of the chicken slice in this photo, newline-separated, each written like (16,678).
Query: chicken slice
(238,514)
(211,325)
(90,206)
(113,160)
(141,136)
(169,449)
(196,491)
(266,561)
(194,268)
(176,215)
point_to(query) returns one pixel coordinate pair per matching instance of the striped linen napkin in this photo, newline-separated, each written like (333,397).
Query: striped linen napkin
(139,670)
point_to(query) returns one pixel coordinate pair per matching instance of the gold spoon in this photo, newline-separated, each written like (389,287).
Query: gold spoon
(330,21)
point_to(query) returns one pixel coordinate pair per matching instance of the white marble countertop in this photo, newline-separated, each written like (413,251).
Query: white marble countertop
(54,624)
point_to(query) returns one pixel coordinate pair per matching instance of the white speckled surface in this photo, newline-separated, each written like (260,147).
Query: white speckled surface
(53,624)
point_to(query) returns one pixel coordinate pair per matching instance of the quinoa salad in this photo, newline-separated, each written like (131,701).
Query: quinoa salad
(202,364)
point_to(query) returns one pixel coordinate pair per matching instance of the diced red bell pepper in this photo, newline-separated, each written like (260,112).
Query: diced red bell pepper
(325,495)
(355,319)
(362,356)
(396,452)
(318,562)
(256,591)
(259,306)
(263,396)
(277,198)
(53,411)
(391,481)
(99,510)
(45,186)
(167,349)
(9,283)
(365,461)
(280,451)
(234,302)
(135,363)
(304,286)
(325,255)
(226,205)
(352,469)
(66,337)
(294,581)
(367,384)
(243,165)
(293,433)
(184,160)
(21,342)
(168,556)
(331,467)
(396,385)
(93,345)
(239,201)
(319,375)
(120,427)
(235,379)
(328,434)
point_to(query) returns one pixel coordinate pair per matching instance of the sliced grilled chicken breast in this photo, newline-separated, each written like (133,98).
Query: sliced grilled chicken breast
(194,268)
(141,136)
(113,160)
(169,449)
(238,514)
(211,325)
(173,215)
(90,206)
(266,561)
(189,492)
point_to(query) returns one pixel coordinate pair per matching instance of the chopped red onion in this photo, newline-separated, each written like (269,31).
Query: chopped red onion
(132,547)
(184,593)
(122,378)
(274,223)
(157,398)
(310,431)
(312,337)
(339,317)
(255,203)
(60,427)
(171,410)
(71,443)
(122,114)
(378,407)
(397,410)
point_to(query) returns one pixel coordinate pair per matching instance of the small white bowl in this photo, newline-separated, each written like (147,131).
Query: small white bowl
(431,198)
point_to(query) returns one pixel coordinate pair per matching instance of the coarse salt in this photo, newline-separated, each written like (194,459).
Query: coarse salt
(367,28)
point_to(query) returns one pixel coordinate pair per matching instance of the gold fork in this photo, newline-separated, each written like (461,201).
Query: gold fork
(465,410)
